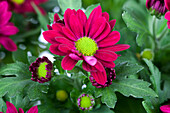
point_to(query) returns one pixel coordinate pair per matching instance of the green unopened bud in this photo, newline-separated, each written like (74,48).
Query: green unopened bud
(148,54)
(61,95)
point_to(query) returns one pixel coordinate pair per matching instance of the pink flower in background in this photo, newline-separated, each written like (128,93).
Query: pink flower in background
(11,109)
(165,108)
(24,6)
(6,28)
(91,40)
(167,15)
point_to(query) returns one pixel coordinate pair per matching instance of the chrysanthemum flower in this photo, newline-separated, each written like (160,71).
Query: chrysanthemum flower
(91,40)
(12,109)
(6,28)
(156,7)
(41,70)
(165,108)
(24,6)
(167,15)
(85,102)
(111,75)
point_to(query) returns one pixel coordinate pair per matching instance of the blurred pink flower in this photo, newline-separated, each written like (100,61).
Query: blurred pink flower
(11,109)
(6,28)
(91,40)
(165,108)
(167,15)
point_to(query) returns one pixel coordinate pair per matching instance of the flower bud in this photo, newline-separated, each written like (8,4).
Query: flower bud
(61,95)
(148,54)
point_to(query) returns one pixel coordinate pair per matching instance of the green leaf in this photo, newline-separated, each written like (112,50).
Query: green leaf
(125,69)
(72,4)
(43,21)
(2,105)
(140,37)
(90,8)
(133,87)
(108,96)
(102,109)
(20,55)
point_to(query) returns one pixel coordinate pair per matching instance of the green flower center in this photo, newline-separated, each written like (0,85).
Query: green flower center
(85,102)
(19,2)
(86,46)
(42,72)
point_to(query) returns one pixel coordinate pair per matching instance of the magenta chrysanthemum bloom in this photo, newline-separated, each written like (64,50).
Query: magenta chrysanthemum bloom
(24,6)
(41,70)
(91,40)
(6,28)
(12,109)
(156,7)
(167,15)
(111,75)
(165,108)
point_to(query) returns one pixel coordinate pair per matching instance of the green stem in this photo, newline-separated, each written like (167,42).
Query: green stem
(154,35)
(163,33)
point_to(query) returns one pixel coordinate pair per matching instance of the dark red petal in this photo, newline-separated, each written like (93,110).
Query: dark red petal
(106,55)
(107,64)
(67,15)
(56,17)
(21,110)
(82,17)
(8,44)
(69,34)
(94,15)
(110,40)
(167,4)
(112,24)
(76,26)
(88,67)
(54,49)
(99,66)
(64,48)
(68,63)
(106,16)
(50,36)
(33,110)
(118,47)
(100,77)
(97,27)
(105,32)
(10,108)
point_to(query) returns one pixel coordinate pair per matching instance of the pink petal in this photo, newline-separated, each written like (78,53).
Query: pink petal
(9,30)
(57,27)
(33,110)
(74,56)
(97,27)
(105,32)
(8,44)
(56,17)
(167,16)
(1,112)
(50,36)
(88,67)
(82,17)
(64,48)
(10,108)
(90,60)
(107,64)
(69,34)
(165,108)
(67,15)
(110,40)
(112,24)
(106,55)
(68,63)
(106,16)
(5,17)
(76,26)
(100,77)
(66,41)
(95,14)
(118,47)
(168,23)
(21,110)
(54,49)
(167,4)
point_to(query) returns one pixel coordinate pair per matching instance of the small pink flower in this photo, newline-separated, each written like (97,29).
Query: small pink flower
(91,40)
(6,28)
(165,108)
(12,109)
(167,15)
